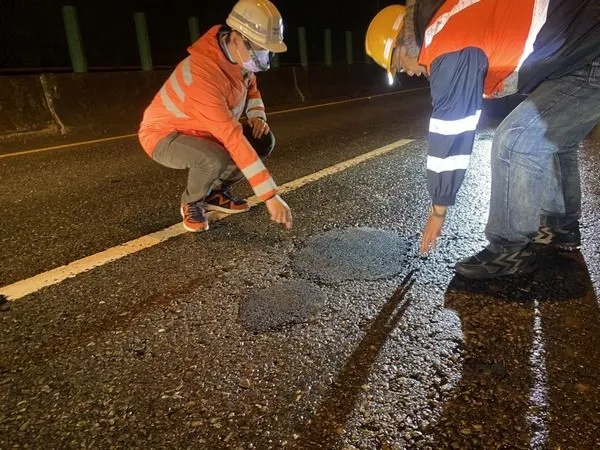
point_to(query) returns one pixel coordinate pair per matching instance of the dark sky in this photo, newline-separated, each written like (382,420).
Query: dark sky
(32,31)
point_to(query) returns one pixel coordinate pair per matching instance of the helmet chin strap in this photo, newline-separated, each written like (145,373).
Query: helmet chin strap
(225,48)
(244,70)
(239,55)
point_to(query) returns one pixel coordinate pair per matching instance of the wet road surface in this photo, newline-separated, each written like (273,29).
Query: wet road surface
(332,335)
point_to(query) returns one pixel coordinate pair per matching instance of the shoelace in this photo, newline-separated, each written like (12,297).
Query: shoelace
(196,211)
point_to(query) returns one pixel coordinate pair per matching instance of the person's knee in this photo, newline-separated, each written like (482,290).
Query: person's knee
(512,137)
(520,133)
(211,163)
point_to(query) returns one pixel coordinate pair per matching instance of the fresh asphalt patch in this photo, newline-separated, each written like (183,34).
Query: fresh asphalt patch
(360,253)
(351,254)
(283,304)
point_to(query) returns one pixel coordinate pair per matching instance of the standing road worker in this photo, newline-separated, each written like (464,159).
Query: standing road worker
(194,123)
(471,49)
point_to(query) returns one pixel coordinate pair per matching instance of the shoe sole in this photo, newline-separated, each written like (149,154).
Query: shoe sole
(567,248)
(225,210)
(193,230)
(558,247)
(189,228)
(490,276)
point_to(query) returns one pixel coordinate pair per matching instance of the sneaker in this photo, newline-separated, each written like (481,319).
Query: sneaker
(194,218)
(486,264)
(568,240)
(223,201)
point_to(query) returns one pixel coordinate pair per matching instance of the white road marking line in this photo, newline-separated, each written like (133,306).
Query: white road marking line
(274,113)
(74,144)
(341,102)
(28,286)
(295,184)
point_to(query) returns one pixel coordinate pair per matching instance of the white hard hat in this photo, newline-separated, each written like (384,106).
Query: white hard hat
(260,22)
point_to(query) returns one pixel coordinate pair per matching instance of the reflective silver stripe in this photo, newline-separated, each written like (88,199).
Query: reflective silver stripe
(237,111)
(441,22)
(540,12)
(253,169)
(449,164)
(176,87)
(255,103)
(265,187)
(256,113)
(399,21)
(164,96)
(252,25)
(387,50)
(187,72)
(454,127)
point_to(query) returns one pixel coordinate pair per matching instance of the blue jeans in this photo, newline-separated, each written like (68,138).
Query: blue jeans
(535,172)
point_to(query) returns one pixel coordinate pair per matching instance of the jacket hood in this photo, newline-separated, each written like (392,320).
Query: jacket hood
(207,44)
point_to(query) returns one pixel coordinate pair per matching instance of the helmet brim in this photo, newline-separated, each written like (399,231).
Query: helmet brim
(278,47)
(275,47)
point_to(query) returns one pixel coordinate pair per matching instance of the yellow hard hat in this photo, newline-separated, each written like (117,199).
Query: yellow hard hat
(260,22)
(382,36)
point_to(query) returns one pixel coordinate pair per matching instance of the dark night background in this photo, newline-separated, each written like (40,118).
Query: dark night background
(32,32)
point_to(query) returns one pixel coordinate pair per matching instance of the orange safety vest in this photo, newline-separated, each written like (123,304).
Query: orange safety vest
(504,30)
(205,96)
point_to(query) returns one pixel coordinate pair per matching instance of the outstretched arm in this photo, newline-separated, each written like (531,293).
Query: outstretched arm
(456,82)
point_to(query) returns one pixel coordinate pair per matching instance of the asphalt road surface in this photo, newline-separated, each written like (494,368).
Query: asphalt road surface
(335,334)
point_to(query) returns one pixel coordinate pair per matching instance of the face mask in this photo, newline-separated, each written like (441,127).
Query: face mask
(264,59)
(259,60)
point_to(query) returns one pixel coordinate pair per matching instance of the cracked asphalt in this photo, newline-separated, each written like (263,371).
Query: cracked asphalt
(335,334)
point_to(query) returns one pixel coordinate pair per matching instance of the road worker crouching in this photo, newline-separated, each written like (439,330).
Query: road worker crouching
(193,122)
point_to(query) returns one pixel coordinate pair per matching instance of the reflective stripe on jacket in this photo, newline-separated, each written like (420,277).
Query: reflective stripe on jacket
(477,48)
(504,30)
(205,96)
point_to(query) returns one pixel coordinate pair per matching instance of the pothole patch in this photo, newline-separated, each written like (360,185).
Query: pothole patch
(352,254)
(282,304)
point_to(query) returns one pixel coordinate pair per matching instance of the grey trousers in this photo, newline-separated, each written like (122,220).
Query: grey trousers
(210,166)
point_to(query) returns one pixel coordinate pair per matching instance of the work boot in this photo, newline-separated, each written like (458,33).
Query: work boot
(567,240)
(194,217)
(487,264)
(222,200)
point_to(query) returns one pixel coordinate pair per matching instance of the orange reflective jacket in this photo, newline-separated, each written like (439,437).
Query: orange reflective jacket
(504,30)
(205,96)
